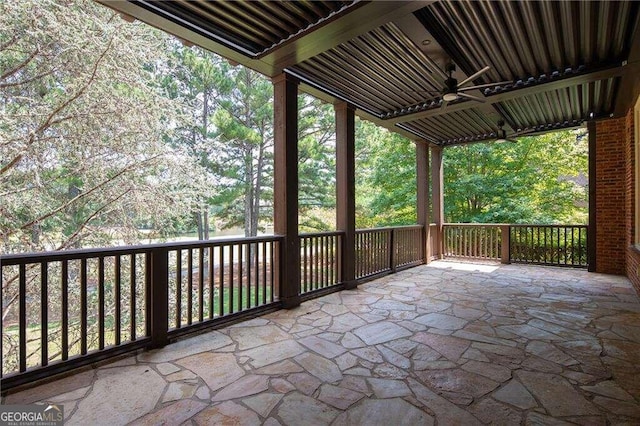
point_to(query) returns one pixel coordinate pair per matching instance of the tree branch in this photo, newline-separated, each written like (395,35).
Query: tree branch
(21,65)
(50,118)
(85,194)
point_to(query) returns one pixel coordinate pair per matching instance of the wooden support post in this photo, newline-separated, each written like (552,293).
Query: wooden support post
(285,188)
(593,220)
(159,297)
(505,240)
(437,194)
(346,190)
(422,197)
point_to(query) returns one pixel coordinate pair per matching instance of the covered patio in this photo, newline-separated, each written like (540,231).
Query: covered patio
(445,343)
(360,339)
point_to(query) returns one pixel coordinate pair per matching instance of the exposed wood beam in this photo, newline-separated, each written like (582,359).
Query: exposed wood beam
(324,96)
(347,26)
(187,35)
(525,91)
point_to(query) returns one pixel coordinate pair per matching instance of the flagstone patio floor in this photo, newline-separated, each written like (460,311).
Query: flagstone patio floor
(446,343)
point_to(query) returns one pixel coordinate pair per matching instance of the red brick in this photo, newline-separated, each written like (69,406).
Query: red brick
(615,195)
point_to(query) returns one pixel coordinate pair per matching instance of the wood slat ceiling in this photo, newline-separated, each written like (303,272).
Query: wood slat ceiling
(567,61)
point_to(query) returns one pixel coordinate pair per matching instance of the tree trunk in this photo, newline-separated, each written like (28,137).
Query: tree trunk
(72,192)
(257,191)
(198,218)
(205,221)
(249,194)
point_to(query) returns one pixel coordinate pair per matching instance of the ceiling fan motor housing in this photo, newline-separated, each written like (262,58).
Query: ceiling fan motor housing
(450,92)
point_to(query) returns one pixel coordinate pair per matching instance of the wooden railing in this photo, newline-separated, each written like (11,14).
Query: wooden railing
(63,310)
(474,241)
(433,242)
(71,308)
(554,245)
(383,250)
(320,260)
(558,245)
(408,246)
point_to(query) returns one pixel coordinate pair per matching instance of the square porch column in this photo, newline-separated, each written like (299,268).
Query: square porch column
(437,194)
(285,189)
(422,197)
(346,189)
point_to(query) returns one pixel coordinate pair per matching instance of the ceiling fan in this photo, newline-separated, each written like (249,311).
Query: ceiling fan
(501,134)
(453,90)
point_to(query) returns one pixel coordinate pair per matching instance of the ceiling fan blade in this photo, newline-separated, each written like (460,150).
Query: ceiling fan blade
(482,86)
(444,104)
(437,92)
(475,98)
(474,76)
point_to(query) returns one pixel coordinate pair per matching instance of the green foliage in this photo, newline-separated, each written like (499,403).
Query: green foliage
(100,136)
(316,164)
(539,179)
(385,177)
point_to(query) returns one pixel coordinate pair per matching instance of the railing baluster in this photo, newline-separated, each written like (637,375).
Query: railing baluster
(307,265)
(323,274)
(240,306)
(264,261)
(211,282)
(101,302)
(83,306)
(178,288)
(44,313)
(132,298)
(565,246)
(231,278)
(263,286)
(147,292)
(201,284)
(22,309)
(64,278)
(221,283)
(116,290)
(332,249)
(558,240)
(272,272)
(249,265)
(189,286)
(312,263)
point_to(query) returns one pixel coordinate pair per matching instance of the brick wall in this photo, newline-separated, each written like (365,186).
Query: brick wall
(632,255)
(611,196)
(615,198)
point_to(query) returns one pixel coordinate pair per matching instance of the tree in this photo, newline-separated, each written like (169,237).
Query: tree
(385,177)
(82,155)
(316,164)
(81,135)
(539,179)
(194,78)
(242,151)
(229,129)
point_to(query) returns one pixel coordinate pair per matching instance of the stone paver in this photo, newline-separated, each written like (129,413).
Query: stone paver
(515,394)
(384,412)
(446,343)
(120,395)
(217,370)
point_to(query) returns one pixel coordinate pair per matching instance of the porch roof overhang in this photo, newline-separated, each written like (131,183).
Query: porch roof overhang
(567,62)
